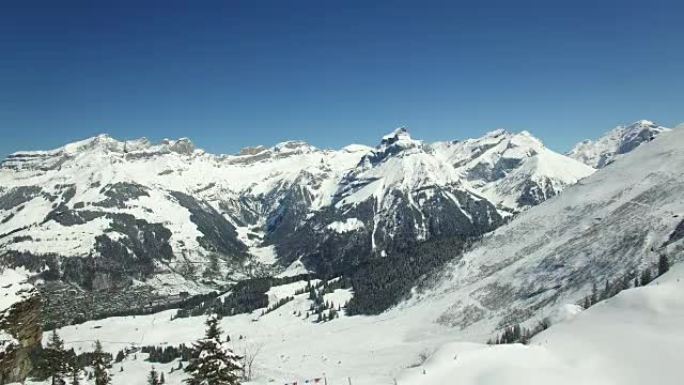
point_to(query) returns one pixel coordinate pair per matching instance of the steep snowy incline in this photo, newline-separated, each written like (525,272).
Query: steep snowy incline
(620,140)
(607,227)
(634,338)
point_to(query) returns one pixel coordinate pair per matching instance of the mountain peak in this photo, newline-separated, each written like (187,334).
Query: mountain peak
(399,138)
(620,140)
(643,122)
(400,132)
(293,146)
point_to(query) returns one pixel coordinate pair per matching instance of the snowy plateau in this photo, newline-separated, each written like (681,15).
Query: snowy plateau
(503,231)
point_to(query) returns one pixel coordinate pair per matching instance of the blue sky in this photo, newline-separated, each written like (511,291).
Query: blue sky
(230,74)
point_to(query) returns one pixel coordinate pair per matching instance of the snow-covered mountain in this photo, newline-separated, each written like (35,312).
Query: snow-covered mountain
(618,141)
(103,213)
(608,227)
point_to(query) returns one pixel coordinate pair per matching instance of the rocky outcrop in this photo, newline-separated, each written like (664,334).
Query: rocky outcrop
(20,331)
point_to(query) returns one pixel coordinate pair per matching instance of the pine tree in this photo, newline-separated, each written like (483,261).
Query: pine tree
(216,363)
(75,372)
(56,359)
(663,265)
(646,277)
(162,380)
(153,378)
(100,365)
(606,291)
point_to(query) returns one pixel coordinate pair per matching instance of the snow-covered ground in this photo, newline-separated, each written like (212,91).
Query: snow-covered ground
(634,338)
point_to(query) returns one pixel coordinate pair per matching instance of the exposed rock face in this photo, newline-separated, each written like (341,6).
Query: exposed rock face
(20,329)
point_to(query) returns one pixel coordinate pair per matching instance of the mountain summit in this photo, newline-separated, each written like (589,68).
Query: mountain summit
(618,141)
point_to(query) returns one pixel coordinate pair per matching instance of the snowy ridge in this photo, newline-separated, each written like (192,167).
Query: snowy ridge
(620,140)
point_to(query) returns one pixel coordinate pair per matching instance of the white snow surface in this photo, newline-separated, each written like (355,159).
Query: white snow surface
(634,338)
(349,224)
(13,287)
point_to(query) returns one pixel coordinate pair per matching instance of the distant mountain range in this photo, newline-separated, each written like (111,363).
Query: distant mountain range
(105,214)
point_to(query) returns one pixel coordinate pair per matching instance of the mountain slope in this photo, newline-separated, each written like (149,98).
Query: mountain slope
(611,343)
(609,226)
(620,140)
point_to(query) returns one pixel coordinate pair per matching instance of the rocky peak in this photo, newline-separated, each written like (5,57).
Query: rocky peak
(181,146)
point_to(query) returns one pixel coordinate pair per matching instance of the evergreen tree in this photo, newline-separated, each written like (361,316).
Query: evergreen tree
(162,380)
(153,378)
(663,265)
(56,359)
(216,363)
(101,365)
(75,371)
(646,277)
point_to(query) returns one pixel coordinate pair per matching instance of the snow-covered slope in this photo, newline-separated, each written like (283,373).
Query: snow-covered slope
(608,226)
(618,141)
(633,338)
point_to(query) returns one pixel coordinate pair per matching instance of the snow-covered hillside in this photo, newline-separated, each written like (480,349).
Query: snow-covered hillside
(610,343)
(608,226)
(633,338)
(618,141)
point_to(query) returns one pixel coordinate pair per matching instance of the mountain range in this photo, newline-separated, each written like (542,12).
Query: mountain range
(108,214)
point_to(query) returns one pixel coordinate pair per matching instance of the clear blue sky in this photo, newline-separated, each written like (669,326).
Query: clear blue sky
(230,74)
